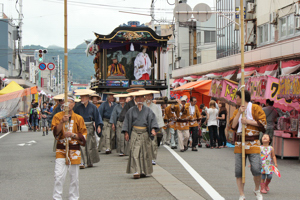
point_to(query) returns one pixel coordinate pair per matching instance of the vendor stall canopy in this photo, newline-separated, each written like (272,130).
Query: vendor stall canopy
(11,87)
(124,36)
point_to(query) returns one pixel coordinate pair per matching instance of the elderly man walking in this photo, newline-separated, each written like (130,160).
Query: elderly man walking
(139,126)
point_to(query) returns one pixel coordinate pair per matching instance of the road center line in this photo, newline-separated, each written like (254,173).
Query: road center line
(4,135)
(202,182)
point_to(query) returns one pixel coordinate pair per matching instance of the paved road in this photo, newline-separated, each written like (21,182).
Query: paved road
(27,169)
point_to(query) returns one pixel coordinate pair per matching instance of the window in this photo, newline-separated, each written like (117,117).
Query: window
(287,26)
(9,39)
(209,36)
(199,38)
(265,33)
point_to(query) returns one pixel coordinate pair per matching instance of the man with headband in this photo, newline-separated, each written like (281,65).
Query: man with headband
(139,125)
(90,114)
(77,134)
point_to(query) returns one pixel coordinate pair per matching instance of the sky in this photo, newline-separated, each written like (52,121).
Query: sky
(43,22)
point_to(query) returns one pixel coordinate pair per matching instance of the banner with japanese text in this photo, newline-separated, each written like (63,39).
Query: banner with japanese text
(224,90)
(267,87)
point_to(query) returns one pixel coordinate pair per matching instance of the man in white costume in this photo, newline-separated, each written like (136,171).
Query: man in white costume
(142,65)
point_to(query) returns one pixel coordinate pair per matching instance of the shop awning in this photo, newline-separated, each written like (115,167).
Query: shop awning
(228,74)
(270,70)
(202,87)
(249,71)
(288,67)
(11,87)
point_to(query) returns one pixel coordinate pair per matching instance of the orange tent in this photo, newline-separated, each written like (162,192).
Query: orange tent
(198,89)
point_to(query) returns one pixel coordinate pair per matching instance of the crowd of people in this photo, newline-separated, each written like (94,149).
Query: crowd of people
(137,124)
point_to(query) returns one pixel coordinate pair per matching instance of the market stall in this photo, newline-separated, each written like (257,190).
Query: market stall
(198,89)
(287,138)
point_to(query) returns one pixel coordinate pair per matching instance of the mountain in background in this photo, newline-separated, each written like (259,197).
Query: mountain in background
(81,66)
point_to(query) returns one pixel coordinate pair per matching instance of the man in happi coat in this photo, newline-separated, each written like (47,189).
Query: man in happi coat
(91,116)
(159,119)
(122,145)
(107,140)
(182,123)
(76,132)
(195,119)
(139,126)
(255,122)
(171,118)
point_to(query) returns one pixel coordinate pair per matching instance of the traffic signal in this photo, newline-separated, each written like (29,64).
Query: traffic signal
(41,54)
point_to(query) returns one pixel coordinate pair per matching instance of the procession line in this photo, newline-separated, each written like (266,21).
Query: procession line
(4,135)
(202,182)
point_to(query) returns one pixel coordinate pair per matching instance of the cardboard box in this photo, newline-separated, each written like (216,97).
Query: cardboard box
(14,128)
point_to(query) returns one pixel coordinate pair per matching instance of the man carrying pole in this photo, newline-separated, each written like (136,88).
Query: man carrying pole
(76,133)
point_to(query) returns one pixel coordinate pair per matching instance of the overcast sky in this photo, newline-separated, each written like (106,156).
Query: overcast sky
(44,19)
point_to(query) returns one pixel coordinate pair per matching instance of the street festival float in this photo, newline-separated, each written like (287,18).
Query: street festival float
(124,44)
(285,93)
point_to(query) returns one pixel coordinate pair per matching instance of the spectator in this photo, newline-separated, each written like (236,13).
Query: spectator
(271,115)
(222,116)
(203,108)
(212,123)
(34,112)
(203,128)
(49,119)
(44,118)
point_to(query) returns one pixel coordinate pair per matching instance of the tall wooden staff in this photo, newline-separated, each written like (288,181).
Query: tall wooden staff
(66,108)
(242,86)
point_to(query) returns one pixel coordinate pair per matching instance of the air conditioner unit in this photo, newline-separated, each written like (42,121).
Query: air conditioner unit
(297,9)
(273,18)
(250,8)
(297,23)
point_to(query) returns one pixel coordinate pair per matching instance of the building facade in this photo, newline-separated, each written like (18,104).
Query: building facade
(271,36)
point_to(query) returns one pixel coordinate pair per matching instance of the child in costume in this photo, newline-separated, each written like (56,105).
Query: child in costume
(267,158)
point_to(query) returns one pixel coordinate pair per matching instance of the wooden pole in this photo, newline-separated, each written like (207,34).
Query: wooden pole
(66,108)
(242,85)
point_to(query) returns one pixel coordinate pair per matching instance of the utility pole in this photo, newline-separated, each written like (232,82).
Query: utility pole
(152,14)
(61,79)
(19,61)
(176,36)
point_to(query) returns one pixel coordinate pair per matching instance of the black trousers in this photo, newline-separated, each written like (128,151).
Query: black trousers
(194,131)
(213,136)
(222,135)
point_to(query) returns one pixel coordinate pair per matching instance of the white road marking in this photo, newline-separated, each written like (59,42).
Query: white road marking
(202,182)
(27,143)
(4,135)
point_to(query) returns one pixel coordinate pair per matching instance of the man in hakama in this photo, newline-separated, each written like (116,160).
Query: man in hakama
(158,115)
(91,116)
(107,141)
(139,126)
(122,145)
